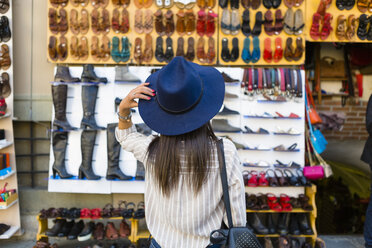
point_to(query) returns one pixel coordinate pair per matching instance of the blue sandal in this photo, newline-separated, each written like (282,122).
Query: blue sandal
(246,55)
(256,53)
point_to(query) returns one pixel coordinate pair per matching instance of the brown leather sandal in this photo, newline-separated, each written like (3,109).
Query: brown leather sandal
(103,3)
(52,48)
(83,48)
(115,21)
(147,3)
(190,54)
(95,3)
(84,21)
(124,26)
(138,27)
(341,27)
(148,22)
(74,23)
(200,52)
(159,27)
(105,49)
(74,48)
(138,56)
(105,24)
(189,22)
(180,47)
(352,24)
(62,49)
(148,52)
(95,16)
(116,3)
(180,24)
(169,23)
(363,5)
(63,24)
(211,54)
(54,3)
(125,3)
(138,4)
(53,25)
(94,49)
(299,51)
(289,50)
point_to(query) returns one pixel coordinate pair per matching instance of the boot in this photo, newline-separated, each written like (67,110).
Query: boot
(270,224)
(123,75)
(59,93)
(257,225)
(59,223)
(89,97)
(303,222)
(282,225)
(88,139)
(59,151)
(63,75)
(90,76)
(294,229)
(113,154)
(66,229)
(140,172)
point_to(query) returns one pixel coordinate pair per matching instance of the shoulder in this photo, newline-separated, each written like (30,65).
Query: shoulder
(230,150)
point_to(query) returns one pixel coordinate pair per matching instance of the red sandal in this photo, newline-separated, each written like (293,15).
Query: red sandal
(278,54)
(262,181)
(314,31)
(253,181)
(201,23)
(268,53)
(284,201)
(327,28)
(96,213)
(85,213)
(273,203)
(210,23)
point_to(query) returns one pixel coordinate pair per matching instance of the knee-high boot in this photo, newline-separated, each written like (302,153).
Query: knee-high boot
(140,172)
(59,93)
(59,151)
(88,139)
(89,97)
(113,154)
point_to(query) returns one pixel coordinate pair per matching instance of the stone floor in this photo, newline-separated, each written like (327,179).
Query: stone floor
(332,241)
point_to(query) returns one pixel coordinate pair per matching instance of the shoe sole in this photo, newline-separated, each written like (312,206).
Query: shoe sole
(85,238)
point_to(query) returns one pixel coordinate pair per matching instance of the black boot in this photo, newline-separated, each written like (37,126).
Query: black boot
(59,93)
(5,32)
(66,229)
(88,139)
(294,229)
(76,230)
(270,224)
(303,222)
(113,154)
(90,76)
(140,172)
(255,222)
(55,230)
(59,151)
(63,75)
(89,97)
(282,224)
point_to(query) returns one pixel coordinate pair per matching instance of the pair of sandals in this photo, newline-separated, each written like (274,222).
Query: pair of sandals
(364,5)
(167,4)
(78,48)
(226,55)
(146,55)
(129,212)
(206,23)
(124,54)
(143,22)
(230,22)
(100,21)
(57,22)
(160,55)
(270,27)
(164,25)
(257,28)
(364,31)
(316,32)
(123,25)
(56,52)
(100,52)
(346,4)
(259,131)
(268,4)
(291,53)
(294,22)
(79,26)
(270,56)
(346,27)
(255,55)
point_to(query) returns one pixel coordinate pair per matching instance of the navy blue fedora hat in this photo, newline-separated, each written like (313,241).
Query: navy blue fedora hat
(187,96)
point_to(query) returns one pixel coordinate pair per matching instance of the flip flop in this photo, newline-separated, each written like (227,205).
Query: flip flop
(246,54)
(278,54)
(268,53)
(256,53)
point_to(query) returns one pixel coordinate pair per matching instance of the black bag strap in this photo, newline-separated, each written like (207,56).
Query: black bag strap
(226,197)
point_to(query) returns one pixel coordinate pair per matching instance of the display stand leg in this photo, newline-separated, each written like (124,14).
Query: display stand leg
(43,226)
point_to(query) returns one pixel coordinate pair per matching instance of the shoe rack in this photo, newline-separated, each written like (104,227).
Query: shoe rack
(311,9)
(9,212)
(132,34)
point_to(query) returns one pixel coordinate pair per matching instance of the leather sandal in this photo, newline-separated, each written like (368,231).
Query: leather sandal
(234,55)
(52,48)
(225,52)
(62,24)
(278,53)
(246,28)
(138,27)
(273,181)
(83,48)
(54,3)
(211,54)
(5,85)
(304,201)
(180,23)
(189,22)
(95,16)
(105,49)
(190,53)
(115,52)
(351,27)
(148,52)
(253,180)
(138,56)
(252,202)
(268,4)
(201,22)
(263,202)
(315,31)
(289,22)
(341,27)
(284,201)
(363,5)
(289,3)
(105,23)
(74,23)
(140,212)
(53,25)
(84,21)
(125,49)
(74,48)
(289,50)
(94,49)
(256,31)
(169,54)
(148,22)
(293,180)
(327,26)
(362,28)
(62,53)
(169,23)
(159,52)
(124,26)
(115,24)
(255,4)
(211,24)
(200,52)
(268,53)
(299,23)
(180,47)
(278,27)
(268,23)
(273,202)
(282,180)
(299,51)
(246,4)
(159,27)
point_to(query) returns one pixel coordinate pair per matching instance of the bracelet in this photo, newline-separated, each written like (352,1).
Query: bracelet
(125,118)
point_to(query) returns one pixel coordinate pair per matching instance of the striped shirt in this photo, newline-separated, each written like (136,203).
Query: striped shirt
(184,219)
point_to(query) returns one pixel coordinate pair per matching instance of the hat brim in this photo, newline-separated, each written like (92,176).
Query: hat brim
(209,105)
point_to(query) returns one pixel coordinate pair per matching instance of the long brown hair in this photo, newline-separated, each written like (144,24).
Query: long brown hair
(195,148)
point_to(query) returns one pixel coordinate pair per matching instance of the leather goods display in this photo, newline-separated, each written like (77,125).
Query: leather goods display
(332,68)
(234,237)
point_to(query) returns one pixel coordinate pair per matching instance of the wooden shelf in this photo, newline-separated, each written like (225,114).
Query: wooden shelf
(8,234)
(295,210)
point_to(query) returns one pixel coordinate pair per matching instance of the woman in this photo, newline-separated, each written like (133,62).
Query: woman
(183,191)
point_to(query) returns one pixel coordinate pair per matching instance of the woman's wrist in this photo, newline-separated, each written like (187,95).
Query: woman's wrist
(124,112)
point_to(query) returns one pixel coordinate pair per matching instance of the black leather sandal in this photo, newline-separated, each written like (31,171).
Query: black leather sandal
(258,24)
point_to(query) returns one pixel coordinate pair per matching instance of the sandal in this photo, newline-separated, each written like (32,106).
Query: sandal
(52,48)
(4,6)
(246,28)
(299,51)
(273,181)
(289,50)
(245,175)
(115,52)
(84,21)
(85,213)
(289,22)
(341,27)
(128,210)
(201,23)
(362,5)
(211,23)
(274,203)
(314,31)
(282,180)
(362,28)
(180,23)
(251,202)
(289,3)
(256,53)
(304,202)
(189,22)
(253,180)
(302,179)
(83,48)
(5,85)
(190,53)
(180,47)
(284,201)
(278,27)
(200,52)
(147,54)
(352,23)
(107,211)
(211,54)
(124,27)
(105,49)
(263,202)
(138,56)
(255,4)
(327,28)
(262,181)
(268,53)
(257,28)
(293,180)
(105,23)
(125,51)
(62,52)
(299,23)
(246,54)
(95,213)
(268,23)
(169,23)
(278,53)
(94,49)
(74,23)
(225,22)
(140,212)
(138,27)
(74,48)
(148,22)
(62,24)
(95,16)
(115,21)
(159,27)
(53,25)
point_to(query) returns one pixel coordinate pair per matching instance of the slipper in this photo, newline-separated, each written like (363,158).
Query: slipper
(268,23)
(246,28)
(246,54)
(299,51)
(256,54)
(314,31)
(299,23)
(278,27)
(289,22)
(289,50)
(268,53)
(278,54)
(263,164)
(256,31)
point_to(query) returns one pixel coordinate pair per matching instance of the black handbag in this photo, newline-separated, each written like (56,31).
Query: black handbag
(233,237)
